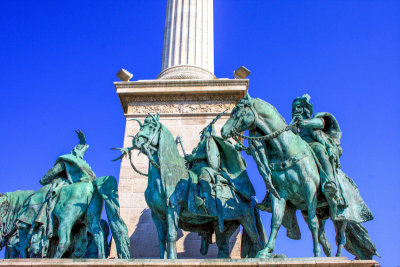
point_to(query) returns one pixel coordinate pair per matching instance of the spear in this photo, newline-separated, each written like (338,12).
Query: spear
(179,140)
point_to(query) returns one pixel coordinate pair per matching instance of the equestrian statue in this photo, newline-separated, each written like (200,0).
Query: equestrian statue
(300,166)
(62,217)
(215,196)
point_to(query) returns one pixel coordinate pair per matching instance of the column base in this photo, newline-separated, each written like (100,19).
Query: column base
(185,72)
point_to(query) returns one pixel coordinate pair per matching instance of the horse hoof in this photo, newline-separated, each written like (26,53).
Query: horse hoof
(265,254)
(317,253)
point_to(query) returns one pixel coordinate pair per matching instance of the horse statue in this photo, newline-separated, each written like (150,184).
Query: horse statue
(171,191)
(69,205)
(291,173)
(11,204)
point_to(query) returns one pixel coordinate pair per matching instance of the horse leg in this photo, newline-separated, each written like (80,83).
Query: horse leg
(162,235)
(321,235)
(172,223)
(79,243)
(322,238)
(340,227)
(64,235)
(93,218)
(222,239)
(312,220)
(278,210)
(23,229)
(66,219)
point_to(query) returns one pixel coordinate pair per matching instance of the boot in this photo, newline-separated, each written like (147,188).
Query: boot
(332,193)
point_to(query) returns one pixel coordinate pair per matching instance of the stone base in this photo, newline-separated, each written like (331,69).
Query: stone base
(295,262)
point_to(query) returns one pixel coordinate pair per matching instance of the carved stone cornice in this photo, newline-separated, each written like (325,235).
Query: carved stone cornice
(180,96)
(183,104)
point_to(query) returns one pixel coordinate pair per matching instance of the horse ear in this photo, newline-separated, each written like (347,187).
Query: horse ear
(157,116)
(247,96)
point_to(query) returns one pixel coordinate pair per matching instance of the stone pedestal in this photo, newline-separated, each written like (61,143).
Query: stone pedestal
(185,107)
(294,262)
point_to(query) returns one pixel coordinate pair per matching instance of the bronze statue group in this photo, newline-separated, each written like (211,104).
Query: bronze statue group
(207,192)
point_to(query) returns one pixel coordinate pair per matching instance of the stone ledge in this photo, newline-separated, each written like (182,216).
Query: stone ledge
(180,88)
(295,262)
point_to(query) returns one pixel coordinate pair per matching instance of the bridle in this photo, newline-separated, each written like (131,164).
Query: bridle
(254,126)
(146,147)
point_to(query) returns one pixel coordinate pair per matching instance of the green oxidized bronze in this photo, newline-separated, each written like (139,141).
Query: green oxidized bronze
(209,198)
(301,170)
(63,218)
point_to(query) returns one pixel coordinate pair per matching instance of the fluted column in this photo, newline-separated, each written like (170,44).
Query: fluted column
(188,50)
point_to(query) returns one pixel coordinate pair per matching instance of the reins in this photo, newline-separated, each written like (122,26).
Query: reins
(264,137)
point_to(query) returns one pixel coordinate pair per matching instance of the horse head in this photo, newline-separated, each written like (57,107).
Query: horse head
(242,118)
(148,135)
(251,114)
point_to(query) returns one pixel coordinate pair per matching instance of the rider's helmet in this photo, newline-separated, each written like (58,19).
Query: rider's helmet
(303,102)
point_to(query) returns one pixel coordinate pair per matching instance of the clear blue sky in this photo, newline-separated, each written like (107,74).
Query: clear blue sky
(58,60)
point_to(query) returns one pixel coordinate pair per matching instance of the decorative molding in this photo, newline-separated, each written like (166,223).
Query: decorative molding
(190,92)
(241,83)
(182,104)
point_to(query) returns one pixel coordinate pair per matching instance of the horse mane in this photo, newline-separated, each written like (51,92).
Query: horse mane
(262,103)
(172,165)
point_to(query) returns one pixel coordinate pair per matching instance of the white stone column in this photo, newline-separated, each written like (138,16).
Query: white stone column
(188,50)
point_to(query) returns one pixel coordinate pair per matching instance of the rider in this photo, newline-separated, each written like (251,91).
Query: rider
(209,160)
(322,133)
(68,169)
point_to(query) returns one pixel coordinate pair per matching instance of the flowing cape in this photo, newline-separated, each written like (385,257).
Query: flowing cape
(331,133)
(234,166)
(357,211)
(15,204)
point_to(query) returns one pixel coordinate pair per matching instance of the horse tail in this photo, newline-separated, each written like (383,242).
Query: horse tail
(108,188)
(358,242)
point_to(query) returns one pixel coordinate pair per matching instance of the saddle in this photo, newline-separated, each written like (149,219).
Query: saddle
(206,191)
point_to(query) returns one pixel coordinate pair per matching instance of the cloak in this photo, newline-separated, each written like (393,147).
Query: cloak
(15,202)
(330,135)
(77,169)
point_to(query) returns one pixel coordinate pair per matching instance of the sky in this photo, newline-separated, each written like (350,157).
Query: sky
(58,61)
